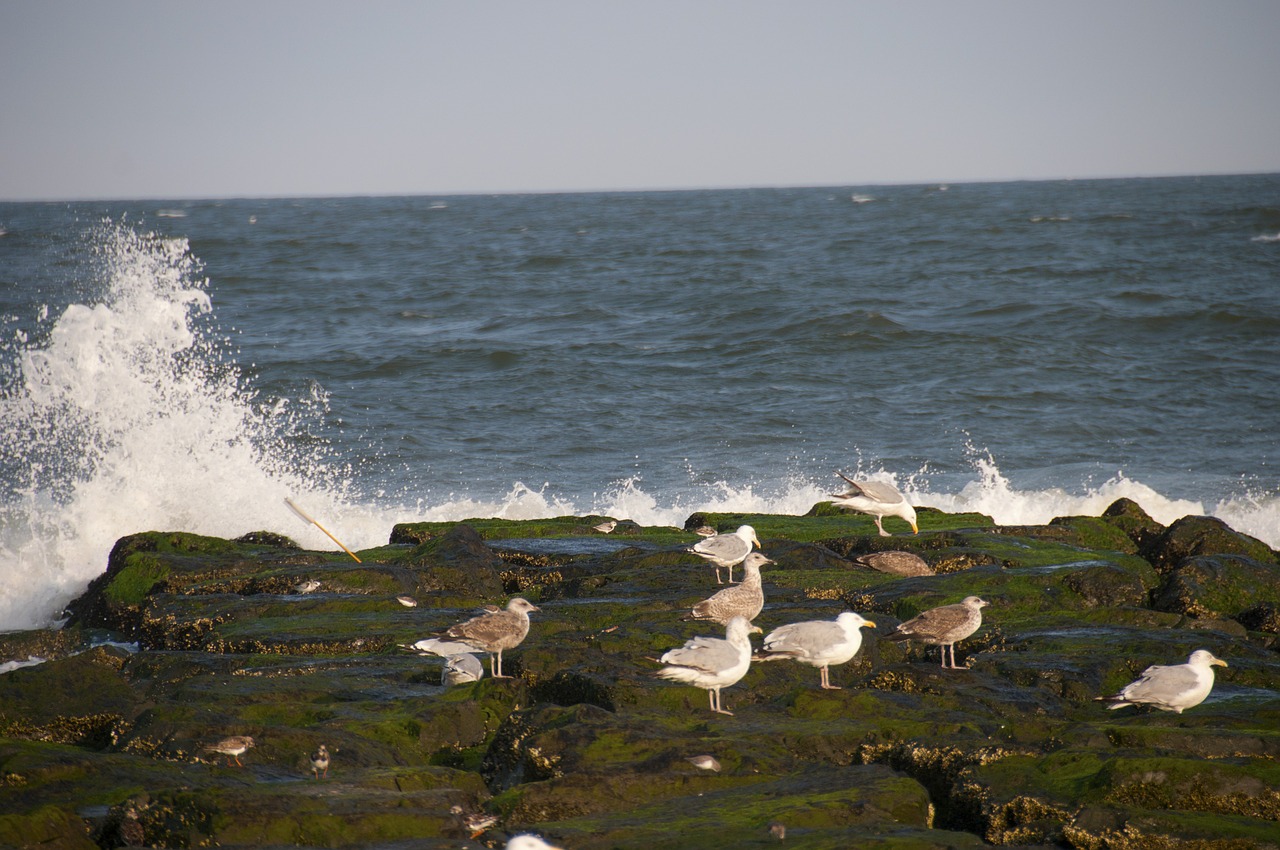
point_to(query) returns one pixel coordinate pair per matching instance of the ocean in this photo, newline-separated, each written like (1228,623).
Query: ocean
(1026,350)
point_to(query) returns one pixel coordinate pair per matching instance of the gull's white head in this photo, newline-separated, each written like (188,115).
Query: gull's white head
(1205,658)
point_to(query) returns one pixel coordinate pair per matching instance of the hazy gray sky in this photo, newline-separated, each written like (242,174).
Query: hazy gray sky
(157,98)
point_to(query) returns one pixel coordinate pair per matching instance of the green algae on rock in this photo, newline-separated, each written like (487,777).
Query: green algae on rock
(103,745)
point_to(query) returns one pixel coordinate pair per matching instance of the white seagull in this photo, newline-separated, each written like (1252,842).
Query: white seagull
(727,550)
(877,499)
(1170,688)
(818,643)
(712,663)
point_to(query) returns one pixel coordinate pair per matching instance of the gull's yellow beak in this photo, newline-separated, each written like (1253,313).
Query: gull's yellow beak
(870,623)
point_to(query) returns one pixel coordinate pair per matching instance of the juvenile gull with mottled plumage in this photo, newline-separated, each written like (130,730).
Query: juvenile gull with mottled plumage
(818,643)
(1172,687)
(493,631)
(943,626)
(739,600)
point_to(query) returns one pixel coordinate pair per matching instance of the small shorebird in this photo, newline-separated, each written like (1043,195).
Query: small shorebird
(705,763)
(309,586)
(712,663)
(877,499)
(232,747)
(738,600)
(475,823)
(943,626)
(407,601)
(1170,688)
(605,527)
(705,531)
(320,761)
(726,550)
(818,643)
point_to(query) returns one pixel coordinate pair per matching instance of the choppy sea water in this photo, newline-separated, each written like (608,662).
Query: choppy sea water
(1027,350)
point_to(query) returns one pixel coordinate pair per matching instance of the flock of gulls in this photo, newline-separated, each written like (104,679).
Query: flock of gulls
(714,663)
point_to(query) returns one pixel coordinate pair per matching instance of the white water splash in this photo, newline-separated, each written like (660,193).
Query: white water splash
(127,418)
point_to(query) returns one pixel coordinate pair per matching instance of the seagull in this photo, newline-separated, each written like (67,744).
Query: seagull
(320,761)
(712,663)
(494,631)
(818,643)
(529,842)
(605,527)
(232,748)
(877,499)
(738,600)
(895,563)
(460,669)
(726,550)
(1170,688)
(943,626)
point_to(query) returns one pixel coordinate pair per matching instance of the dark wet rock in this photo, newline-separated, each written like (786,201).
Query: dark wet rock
(268,538)
(1264,617)
(1202,535)
(1128,516)
(458,563)
(1218,586)
(1108,585)
(585,746)
(801,556)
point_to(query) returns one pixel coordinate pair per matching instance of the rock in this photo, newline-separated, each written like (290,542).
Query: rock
(1202,535)
(1217,586)
(1128,516)
(1108,585)
(457,563)
(585,746)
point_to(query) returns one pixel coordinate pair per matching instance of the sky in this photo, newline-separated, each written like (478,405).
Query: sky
(140,99)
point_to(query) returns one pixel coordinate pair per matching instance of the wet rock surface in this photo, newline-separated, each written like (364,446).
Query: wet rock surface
(106,724)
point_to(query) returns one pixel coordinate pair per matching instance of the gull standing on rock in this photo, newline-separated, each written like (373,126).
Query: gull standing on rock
(943,627)
(492,632)
(739,600)
(877,499)
(1172,687)
(726,550)
(712,663)
(818,643)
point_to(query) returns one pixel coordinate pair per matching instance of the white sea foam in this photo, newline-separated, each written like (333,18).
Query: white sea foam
(130,415)
(128,419)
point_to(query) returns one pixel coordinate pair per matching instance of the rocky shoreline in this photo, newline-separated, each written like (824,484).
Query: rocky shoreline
(185,640)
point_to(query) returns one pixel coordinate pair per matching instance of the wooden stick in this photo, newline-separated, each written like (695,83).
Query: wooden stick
(300,512)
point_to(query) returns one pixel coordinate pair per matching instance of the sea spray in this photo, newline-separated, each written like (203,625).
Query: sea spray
(129,414)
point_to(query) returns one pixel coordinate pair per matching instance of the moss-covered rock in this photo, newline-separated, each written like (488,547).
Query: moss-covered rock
(587,747)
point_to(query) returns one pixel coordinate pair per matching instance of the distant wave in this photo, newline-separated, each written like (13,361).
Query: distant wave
(1266,238)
